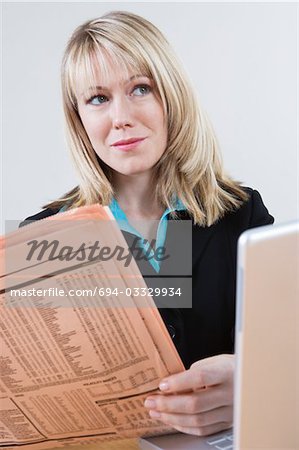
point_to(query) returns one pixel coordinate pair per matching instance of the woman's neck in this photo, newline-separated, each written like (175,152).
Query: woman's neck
(136,196)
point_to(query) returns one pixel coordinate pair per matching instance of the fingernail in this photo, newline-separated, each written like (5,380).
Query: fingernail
(163,386)
(155,414)
(149,403)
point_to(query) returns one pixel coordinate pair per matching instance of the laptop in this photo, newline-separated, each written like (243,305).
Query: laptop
(266,412)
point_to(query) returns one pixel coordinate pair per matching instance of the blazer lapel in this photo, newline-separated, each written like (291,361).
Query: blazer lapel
(201,237)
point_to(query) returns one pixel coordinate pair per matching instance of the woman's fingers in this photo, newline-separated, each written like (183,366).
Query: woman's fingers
(198,401)
(201,420)
(192,403)
(203,373)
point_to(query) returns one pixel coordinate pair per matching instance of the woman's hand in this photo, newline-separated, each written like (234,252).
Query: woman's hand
(200,400)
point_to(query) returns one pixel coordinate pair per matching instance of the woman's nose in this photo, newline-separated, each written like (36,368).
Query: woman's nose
(121,114)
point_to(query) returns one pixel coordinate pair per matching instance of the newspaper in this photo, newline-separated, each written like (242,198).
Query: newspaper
(82,342)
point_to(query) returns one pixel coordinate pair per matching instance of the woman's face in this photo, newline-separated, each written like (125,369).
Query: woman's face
(124,121)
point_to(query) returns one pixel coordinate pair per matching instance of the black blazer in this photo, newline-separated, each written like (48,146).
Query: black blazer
(207,328)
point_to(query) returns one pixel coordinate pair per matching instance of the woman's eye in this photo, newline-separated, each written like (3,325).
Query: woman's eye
(98,100)
(141,90)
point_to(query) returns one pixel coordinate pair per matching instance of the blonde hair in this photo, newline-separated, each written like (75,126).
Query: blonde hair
(191,166)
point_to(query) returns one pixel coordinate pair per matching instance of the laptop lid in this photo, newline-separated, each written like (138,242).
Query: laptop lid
(266,401)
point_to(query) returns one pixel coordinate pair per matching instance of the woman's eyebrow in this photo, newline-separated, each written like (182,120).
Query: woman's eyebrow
(133,77)
(92,89)
(98,88)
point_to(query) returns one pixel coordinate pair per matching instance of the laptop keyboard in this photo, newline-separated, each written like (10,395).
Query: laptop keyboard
(225,442)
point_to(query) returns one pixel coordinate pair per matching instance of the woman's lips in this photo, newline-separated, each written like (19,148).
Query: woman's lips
(127,144)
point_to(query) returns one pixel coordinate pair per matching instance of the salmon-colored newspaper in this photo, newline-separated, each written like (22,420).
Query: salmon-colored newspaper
(82,342)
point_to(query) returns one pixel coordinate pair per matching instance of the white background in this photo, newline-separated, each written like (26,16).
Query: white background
(242,60)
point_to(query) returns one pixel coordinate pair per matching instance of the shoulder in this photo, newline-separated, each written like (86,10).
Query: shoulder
(251,214)
(41,215)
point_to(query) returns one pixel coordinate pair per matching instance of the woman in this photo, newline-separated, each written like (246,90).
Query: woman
(142,145)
